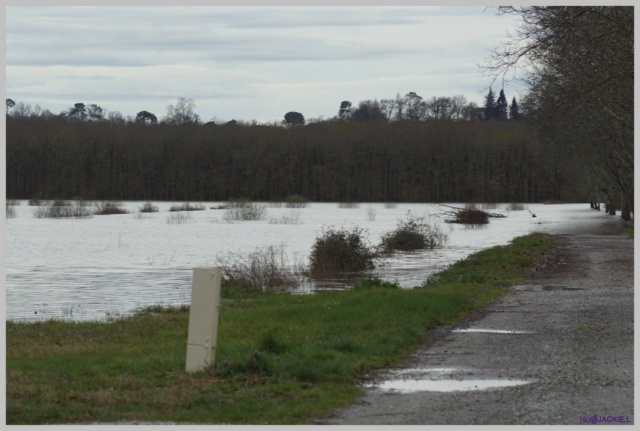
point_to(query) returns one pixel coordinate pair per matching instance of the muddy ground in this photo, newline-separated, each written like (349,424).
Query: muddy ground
(570,363)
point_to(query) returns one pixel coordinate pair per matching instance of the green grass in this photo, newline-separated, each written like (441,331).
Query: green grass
(281,358)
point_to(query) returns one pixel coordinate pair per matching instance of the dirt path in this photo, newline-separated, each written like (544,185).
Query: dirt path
(575,351)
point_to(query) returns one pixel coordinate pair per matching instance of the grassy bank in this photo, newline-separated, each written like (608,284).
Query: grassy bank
(281,358)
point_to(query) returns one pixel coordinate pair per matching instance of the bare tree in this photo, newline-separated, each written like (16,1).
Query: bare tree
(183,112)
(579,66)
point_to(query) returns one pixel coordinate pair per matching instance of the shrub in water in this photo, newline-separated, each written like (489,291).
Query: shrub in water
(340,250)
(265,269)
(244,210)
(413,233)
(187,207)
(62,209)
(348,205)
(110,208)
(515,207)
(11,211)
(148,207)
(179,218)
(296,201)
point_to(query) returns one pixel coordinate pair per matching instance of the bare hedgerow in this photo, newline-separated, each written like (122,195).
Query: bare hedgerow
(413,233)
(339,250)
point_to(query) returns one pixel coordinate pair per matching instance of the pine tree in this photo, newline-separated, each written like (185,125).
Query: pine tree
(501,107)
(514,110)
(490,105)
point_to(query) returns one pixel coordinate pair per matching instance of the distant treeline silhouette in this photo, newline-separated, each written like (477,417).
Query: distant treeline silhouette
(401,161)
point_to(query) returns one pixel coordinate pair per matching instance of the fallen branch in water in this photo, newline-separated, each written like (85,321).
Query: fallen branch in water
(472,216)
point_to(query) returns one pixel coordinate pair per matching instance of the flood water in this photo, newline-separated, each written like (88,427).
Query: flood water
(108,266)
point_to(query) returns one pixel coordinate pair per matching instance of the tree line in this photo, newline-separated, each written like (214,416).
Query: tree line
(433,160)
(410,107)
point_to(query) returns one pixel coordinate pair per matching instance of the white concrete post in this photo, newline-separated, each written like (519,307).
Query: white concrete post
(203,318)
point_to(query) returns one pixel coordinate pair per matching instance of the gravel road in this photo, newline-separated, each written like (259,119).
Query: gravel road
(570,361)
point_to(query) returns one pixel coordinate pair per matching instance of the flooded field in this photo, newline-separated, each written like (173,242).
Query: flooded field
(109,265)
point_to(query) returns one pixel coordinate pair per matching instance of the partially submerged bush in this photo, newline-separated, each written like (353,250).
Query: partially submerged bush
(339,251)
(349,205)
(489,205)
(11,211)
(515,207)
(110,208)
(187,207)
(64,209)
(471,217)
(244,210)
(265,269)
(413,233)
(468,215)
(36,202)
(179,218)
(296,201)
(148,207)
(292,218)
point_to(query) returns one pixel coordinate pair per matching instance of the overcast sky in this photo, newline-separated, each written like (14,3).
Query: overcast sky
(247,63)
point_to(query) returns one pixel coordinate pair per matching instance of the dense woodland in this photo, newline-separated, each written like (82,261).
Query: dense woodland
(404,161)
(572,142)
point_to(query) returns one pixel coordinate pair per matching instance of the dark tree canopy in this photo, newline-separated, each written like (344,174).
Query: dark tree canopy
(293,119)
(369,111)
(146,117)
(345,110)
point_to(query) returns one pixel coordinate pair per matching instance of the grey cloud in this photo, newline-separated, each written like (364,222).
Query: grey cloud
(80,44)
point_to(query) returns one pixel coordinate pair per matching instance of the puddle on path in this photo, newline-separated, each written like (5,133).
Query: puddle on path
(492,331)
(411,386)
(543,288)
(440,379)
